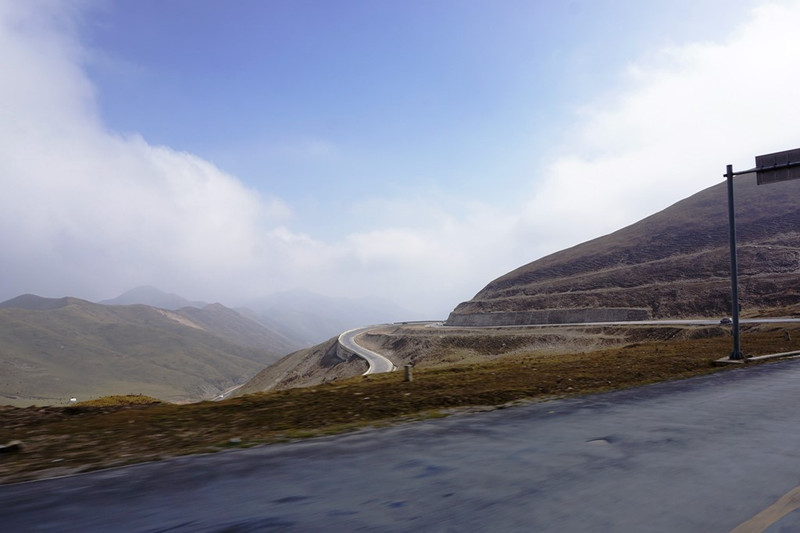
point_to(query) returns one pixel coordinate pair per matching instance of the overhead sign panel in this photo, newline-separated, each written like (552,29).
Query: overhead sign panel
(780,166)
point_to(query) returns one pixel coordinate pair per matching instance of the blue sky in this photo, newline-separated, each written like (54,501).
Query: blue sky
(412,150)
(364,98)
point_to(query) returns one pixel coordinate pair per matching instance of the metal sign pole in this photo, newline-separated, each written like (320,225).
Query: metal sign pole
(737,350)
(770,168)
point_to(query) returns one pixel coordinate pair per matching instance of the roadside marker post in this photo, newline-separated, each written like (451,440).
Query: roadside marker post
(770,168)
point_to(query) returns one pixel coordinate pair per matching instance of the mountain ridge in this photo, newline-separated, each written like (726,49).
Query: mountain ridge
(303,318)
(34,302)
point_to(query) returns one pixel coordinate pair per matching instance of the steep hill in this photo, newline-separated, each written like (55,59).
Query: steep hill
(672,264)
(54,349)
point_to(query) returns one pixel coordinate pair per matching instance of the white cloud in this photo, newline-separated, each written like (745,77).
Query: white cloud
(681,118)
(89,213)
(86,211)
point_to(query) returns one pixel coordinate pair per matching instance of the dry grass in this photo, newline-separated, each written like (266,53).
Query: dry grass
(59,440)
(120,400)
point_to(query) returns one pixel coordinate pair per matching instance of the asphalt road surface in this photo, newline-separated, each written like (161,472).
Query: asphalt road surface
(377,362)
(709,454)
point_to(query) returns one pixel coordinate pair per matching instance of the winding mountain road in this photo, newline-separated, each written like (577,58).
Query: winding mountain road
(377,362)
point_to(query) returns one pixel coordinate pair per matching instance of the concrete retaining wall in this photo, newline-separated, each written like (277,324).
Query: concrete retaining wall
(343,353)
(548,316)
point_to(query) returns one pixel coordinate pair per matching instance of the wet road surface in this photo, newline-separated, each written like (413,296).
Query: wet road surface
(705,454)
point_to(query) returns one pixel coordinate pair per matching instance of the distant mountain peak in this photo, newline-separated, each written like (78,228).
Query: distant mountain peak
(217,307)
(154,297)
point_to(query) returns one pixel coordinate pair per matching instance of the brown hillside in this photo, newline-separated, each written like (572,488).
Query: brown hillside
(672,264)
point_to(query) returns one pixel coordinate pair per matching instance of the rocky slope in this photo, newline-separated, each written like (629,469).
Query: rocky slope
(672,264)
(305,368)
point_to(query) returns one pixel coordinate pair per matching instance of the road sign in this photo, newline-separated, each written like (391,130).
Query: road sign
(780,166)
(770,168)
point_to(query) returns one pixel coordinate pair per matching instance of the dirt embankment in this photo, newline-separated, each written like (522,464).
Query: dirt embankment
(304,368)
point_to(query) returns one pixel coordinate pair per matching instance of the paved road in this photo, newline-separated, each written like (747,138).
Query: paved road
(377,362)
(706,454)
